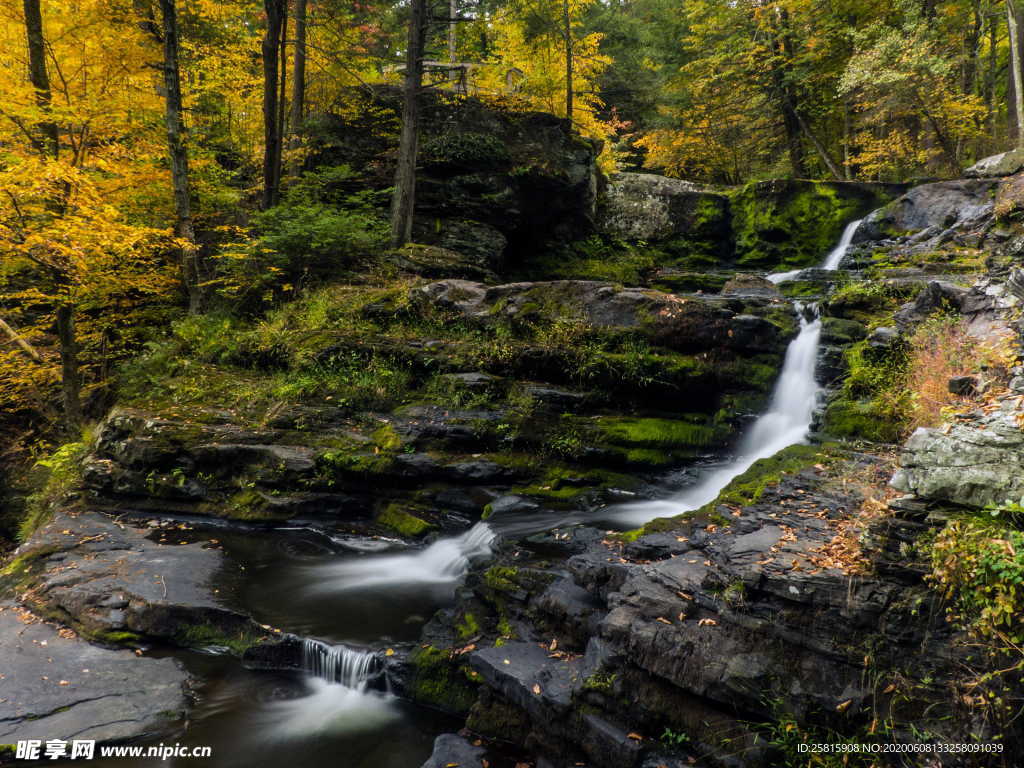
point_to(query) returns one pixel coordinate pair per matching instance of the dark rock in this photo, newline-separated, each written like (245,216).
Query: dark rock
(682,324)
(57,686)
(963,386)
(942,205)
(85,560)
(936,296)
(475,381)
(434,261)
(450,749)
(562,398)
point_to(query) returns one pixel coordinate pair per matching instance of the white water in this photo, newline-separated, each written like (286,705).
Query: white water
(831,262)
(336,698)
(785,423)
(443,562)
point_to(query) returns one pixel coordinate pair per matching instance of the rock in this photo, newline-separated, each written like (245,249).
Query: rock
(562,398)
(750,285)
(111,582)
(883,337)
(835,330)
(450,749)
(683,217)
(475,381)
(57,686)
(794,223)
(494,185)
(1003,164)
(972,464)
(1009,198)
(684,324)
(936,296)
(434,261)
(940,206)
(963,386)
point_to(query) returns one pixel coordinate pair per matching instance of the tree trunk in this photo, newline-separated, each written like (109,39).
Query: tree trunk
(404,197)
(270,50)
(826,158)
(786,94)
(70,382)
(990,76)
(188,257)
(567,32)
(25,347)
(49,145)
(298,70)
(1013,25)
(282,101)
(453,76)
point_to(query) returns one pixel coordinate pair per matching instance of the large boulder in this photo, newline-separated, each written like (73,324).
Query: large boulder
(678,216)
(930,209)
(490,179)
(1003,164)
(972,464)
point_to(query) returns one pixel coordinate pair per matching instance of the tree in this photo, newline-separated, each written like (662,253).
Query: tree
(1016,71)
(403,199)
(299,68)
(188,250)
(276,11)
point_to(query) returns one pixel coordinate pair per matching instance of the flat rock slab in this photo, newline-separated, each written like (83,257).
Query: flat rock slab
(450,749)
(54,685)
(107,577)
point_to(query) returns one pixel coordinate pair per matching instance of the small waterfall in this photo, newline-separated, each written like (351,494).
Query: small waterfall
(786,422)
(443,562)
(831,262)
(340,664)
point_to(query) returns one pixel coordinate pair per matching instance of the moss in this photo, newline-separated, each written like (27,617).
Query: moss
(467,626)
(867,419)
(206,634)
(400,521)
(502,578)
(111,637)
(387,439)
(438,682)
(17,574)
(791,223)
(563,484)
(689,282)
(659,433)
(836,330)
(748,487)
(64,475)
(602,682)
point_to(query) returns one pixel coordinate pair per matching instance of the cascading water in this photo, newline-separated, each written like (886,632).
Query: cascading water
(831,262)
(785,423)
(442,563)
(336,695)
(339,664)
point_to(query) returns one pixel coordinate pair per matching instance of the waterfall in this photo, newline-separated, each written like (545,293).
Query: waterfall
(831,262)
(443,562)
(785,422)
(340,664)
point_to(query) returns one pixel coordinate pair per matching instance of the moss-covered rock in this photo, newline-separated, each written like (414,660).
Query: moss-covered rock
(794,223)
(404,523)
(440,680)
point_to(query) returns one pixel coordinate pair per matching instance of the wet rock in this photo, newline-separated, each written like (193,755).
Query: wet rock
(112,582)
(554,396)
(450,749)
(475,381)
(57,686)
(750,285)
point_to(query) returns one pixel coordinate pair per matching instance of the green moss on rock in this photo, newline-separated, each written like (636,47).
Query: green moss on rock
(402,522)
(438,681)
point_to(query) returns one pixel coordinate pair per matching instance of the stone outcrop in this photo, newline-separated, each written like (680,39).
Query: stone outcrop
(56,686)
(678,216)
(1003,164)
(974,463)
(930,212)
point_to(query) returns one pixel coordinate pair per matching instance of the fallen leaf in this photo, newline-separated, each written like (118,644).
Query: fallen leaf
(663,620)
(707,623)
(844,706)
(389,652)
(634,736)
(536,689)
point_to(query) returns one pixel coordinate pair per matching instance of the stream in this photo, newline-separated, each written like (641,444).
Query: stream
(359,597)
